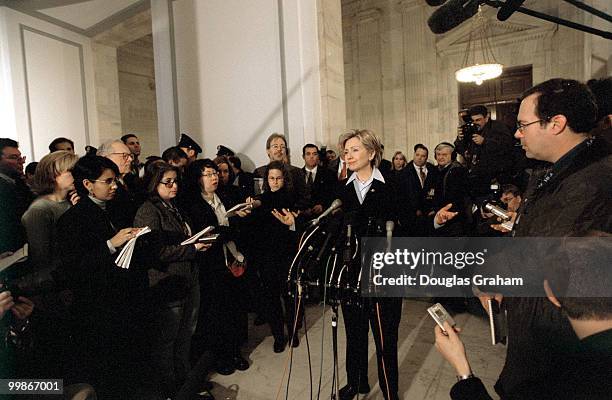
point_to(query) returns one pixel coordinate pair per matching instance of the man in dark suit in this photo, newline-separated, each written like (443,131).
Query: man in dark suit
(320,182)
(419,179)
(244,180)
(451,187)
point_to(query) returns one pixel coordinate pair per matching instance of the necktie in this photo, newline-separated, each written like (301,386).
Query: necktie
(343,171)
(422,176)
(309,179)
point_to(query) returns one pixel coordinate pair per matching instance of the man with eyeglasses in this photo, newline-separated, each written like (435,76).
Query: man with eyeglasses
(490,151)
(129,197)
(572,197)
(15,195)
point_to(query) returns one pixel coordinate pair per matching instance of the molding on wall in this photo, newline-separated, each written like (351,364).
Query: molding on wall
(93,30)
(22,29)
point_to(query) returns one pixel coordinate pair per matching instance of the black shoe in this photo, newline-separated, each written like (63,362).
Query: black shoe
(296,341)
(279,345)
(225,368)
(240,363)
(259,320)
(348,392)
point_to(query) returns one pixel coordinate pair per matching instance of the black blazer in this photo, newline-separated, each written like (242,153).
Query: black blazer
(202,215)
(383,202)
(418,195)
(323,187)
(452,187)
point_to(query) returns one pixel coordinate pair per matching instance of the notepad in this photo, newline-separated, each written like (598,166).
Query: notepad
(125,256)
(197,236)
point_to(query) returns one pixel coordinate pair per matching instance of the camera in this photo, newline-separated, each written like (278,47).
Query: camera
(468,129)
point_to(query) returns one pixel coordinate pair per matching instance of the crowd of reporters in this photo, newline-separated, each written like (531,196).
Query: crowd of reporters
(156,329)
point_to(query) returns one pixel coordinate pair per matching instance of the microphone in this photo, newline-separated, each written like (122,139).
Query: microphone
(435,3)
(497,211)
(255,204)
(389,227)
(334,205)
(509,8)
(452,14)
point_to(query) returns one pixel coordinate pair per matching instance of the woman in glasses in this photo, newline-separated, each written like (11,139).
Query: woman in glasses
(173,279)
(272,246)
(104,295)
(223,319)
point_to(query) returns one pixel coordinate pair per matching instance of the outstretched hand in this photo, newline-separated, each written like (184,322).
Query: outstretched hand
(287,217)
(452,349)
(444,215)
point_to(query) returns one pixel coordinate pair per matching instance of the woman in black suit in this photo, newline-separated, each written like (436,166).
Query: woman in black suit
(106,297)
(224,318)
(175,290)
(371,202)
(272,246)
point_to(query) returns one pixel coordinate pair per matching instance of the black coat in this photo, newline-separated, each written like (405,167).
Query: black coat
(452,187)
(577,199)
(203,215)
(107,298)
(171,264)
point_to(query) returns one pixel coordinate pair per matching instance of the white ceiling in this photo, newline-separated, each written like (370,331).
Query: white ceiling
(87,14)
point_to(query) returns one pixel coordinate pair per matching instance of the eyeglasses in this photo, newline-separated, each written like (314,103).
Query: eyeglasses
(521,127)
(210,174)
(278,147)
(273,179)
(125,156)
(169,184)
(15,157)
(109,181)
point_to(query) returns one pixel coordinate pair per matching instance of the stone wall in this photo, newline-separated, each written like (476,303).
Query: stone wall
(137,93)
(400,78)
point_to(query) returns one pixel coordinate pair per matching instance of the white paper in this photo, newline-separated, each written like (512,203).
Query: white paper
(125,256)
(17,256)
(195,237)
(238,207)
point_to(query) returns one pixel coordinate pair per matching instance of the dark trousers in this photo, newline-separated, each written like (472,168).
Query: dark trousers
(385,330)
(173,326)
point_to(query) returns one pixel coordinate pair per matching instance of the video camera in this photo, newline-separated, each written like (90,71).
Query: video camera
(468,129)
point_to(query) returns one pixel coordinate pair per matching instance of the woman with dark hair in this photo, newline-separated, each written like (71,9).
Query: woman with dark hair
(223,320)
(104,294)
(272,248)
(175,292)
(226,179)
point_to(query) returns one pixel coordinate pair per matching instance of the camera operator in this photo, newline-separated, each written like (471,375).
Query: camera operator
(487,146)
(509,200)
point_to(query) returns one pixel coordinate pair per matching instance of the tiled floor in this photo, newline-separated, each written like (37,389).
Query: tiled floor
(422,371)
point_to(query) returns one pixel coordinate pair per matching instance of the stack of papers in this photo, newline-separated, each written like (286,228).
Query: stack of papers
(238,207)
(125,257)
(197,236)
(17,256)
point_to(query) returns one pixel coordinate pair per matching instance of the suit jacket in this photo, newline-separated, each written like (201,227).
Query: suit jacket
(323,187)
(419,196)
(245,183)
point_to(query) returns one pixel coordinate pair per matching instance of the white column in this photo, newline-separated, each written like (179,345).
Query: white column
(165,85)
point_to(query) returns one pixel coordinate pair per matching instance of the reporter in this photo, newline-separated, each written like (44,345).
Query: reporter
(175,291)
(106,297)
(224,318)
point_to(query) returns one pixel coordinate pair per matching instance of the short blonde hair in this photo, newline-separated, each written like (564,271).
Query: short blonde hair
(50,167)
(369,140)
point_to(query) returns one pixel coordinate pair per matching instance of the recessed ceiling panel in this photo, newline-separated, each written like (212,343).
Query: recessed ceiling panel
(86,14)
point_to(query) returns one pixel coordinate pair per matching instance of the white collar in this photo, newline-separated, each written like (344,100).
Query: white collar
(314,170)
(417,168)
(376,174)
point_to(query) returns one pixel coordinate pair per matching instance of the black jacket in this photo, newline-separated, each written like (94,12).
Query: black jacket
(323,187)
(576,199)
(419,196)
(175,263)
(452,187)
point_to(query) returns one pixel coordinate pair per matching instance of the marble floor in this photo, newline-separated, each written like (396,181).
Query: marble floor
(423,373)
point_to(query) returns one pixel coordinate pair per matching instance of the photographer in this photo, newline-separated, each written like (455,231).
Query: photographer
(487,146)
